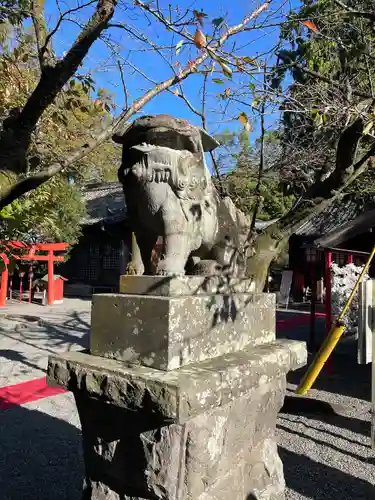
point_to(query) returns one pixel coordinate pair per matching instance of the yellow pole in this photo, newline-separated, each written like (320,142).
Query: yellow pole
(331,340)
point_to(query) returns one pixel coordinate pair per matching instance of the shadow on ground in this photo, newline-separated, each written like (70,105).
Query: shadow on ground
(43,335)
(325,412)
(40,457)
(347,377)
(322,482)
(12,355)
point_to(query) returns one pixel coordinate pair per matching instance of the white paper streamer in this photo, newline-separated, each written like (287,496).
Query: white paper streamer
(343,280)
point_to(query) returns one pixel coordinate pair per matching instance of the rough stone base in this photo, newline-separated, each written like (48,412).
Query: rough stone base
(169,332)
(227,453)
(203,432)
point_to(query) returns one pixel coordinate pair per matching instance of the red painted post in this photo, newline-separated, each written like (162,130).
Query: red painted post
(4,280)
(4,286)
(327,276)
(328,264)
(350,258)
(50,291)
(21,275)
(31,275)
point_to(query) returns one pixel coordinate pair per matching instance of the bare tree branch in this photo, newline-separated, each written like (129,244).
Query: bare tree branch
(358,13)
(119,125)
(15,142)
(123,85)
(323,78)
(63,16)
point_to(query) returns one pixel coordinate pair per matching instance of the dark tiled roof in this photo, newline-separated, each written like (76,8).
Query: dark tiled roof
(361,224)
(342,211)
(105,202)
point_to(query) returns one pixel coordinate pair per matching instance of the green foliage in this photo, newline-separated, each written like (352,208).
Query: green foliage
(53,211)
(241,186)
(340,49)
(50,213)
(241,181)
(14,11)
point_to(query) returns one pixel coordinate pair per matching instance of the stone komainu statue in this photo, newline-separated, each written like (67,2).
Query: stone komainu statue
(169,193)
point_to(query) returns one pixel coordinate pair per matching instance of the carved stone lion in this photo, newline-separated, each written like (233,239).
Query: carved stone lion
(169,193)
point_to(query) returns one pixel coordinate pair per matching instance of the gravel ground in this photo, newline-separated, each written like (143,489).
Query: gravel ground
(326,448)
(324,439)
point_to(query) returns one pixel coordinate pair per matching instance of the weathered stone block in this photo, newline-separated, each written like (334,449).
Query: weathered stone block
(181,394)
(260,477)
(170,332)
(202,432)
(216,438)
(168,286)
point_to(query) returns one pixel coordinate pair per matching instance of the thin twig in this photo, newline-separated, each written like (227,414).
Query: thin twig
(261,158)
(123,84)
(204,125)
(358,13)
(68,67)
(60,20)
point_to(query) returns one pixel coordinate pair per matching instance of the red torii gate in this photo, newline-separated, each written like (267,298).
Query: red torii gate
(31,254)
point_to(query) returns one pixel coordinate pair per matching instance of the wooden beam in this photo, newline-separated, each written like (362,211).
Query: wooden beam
(56,258)
(46,247)
(343,250)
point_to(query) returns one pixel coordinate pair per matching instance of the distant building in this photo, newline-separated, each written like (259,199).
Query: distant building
(102,253)
(347,224)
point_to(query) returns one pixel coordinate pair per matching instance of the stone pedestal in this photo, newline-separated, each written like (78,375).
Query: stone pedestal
(201,428)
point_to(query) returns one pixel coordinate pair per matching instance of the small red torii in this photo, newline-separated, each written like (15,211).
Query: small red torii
(31,254)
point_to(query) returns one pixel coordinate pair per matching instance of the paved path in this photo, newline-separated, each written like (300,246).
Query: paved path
(29,333)
(40,443)
(326,453)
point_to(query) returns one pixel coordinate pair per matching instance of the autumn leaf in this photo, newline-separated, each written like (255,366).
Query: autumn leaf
(179,47)
(310,25)
(244,120)
(191,66)
(199,16)
(199,39)
(250,60)
(226,69)
(227,92)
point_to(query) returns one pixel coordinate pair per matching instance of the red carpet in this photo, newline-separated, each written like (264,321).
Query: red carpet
(25,392)
(295,320)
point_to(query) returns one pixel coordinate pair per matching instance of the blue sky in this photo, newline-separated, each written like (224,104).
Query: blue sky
(103,64)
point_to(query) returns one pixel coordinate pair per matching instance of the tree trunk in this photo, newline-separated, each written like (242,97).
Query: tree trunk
(267,249)
(17,130)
